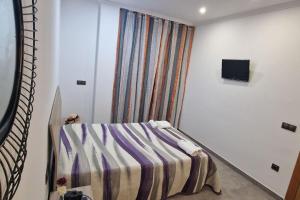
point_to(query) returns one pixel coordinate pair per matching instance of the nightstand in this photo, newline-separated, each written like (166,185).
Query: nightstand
(86,190)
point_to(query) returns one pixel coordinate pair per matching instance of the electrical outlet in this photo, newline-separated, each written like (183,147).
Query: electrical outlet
(81,82)
(289,127)
(275,167)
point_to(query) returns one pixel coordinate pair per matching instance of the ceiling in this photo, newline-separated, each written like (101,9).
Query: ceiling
(187,10)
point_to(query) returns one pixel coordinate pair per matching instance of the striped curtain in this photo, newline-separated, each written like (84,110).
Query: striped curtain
(151,68)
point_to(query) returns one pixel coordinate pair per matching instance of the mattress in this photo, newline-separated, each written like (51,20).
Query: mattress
(132,161)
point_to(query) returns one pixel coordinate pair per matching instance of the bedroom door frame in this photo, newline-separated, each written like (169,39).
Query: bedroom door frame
(293,192)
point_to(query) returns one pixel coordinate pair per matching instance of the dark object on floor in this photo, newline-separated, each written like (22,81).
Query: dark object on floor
(73,195)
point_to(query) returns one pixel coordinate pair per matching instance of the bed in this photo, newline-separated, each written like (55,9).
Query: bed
(130,161)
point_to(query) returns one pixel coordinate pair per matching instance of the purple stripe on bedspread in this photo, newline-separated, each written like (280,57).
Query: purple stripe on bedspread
(192,180)
(84,134)
(166,175)
(75,172)
(65,141)
(166,179)
(132,135)
(104,131)
(107,192)
(146,132)
(146,165)
(170,132)
(211,168)
(163,137)
(194,173)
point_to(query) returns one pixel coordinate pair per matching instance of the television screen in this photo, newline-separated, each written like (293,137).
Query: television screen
(236,69)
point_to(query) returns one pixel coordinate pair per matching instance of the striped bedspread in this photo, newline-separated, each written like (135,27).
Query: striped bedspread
(131,161)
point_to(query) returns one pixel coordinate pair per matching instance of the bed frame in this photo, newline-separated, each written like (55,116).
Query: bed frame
(55,123)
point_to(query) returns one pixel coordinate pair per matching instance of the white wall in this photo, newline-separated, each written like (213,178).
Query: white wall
(107,46)
(93,44)
(89,33)
(33,184)
(79,22)
(241,121)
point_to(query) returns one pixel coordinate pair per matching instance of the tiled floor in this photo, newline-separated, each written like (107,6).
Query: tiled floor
(234,187)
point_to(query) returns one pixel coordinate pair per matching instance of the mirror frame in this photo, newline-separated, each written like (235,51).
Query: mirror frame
(16,121)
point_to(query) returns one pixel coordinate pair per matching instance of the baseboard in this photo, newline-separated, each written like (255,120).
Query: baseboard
(273,194)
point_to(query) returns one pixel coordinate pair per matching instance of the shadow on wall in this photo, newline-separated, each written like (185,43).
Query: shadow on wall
(254,78)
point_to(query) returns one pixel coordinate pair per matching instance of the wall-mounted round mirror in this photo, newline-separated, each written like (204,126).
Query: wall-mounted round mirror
(9,65)
(17,73)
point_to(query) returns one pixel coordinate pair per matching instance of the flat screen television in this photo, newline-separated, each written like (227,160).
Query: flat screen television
(236,69)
